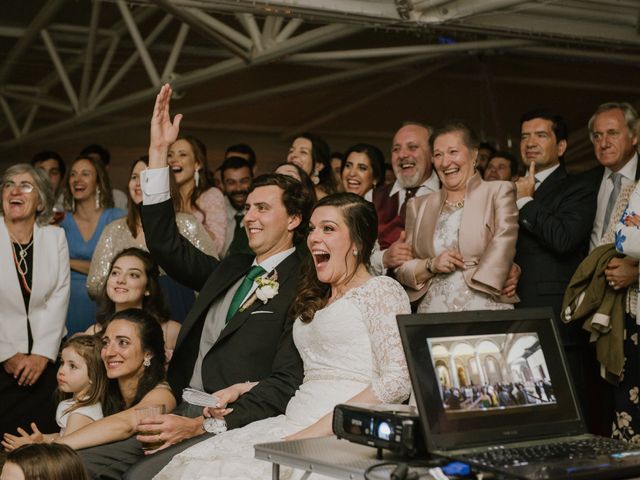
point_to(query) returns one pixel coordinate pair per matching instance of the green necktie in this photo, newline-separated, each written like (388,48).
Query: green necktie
(243,289)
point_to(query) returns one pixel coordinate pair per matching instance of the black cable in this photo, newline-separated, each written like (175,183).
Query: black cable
(400,472)
(375,466)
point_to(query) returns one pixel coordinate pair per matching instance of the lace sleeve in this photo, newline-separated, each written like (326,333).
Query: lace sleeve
(195,232)
(379,305)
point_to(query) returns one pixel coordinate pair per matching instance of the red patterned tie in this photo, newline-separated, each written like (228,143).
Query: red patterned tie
(410,193)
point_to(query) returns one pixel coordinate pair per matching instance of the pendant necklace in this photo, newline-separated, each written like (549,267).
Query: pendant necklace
(20,259)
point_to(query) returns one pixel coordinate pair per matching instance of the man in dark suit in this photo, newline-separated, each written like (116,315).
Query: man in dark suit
(556,215)
(236,176)
(229,336)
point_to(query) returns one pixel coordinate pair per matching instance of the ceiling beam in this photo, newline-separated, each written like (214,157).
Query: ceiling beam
(408,50)
(41,20)
(140,44)
(59,66)
(458,9)
(307,39)
(356,103)
(188,17)
(89,54)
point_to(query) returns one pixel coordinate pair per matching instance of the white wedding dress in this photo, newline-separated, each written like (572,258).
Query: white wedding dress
(349,345)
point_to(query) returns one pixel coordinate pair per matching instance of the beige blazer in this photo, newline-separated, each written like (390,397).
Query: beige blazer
(487,237)
(49,295)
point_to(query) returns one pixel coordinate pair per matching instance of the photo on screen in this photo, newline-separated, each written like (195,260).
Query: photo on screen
(491,372)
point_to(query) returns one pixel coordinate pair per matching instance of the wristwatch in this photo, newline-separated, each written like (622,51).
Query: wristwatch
(214,425)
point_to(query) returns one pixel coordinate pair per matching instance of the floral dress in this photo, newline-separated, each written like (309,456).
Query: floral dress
(626,423)
(449,292)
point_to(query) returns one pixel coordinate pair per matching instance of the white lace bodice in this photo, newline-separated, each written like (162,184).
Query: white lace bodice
(449,292)
(350,344)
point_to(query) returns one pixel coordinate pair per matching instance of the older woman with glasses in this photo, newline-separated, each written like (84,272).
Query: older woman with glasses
(34,295)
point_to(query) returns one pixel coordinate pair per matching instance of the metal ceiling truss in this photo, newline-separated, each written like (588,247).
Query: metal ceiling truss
(87,84)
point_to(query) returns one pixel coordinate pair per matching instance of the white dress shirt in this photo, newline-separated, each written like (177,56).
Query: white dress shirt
(606,187)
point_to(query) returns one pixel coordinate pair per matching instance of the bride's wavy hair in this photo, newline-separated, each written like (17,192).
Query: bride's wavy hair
(362,221)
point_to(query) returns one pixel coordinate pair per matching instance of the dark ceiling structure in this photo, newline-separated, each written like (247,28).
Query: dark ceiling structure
(75,69)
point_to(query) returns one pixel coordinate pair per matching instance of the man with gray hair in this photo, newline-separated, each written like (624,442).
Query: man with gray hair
(612,129)
(415,176)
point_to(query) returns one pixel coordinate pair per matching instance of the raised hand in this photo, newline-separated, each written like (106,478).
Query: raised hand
(163,131)
(526,186)
(397,253)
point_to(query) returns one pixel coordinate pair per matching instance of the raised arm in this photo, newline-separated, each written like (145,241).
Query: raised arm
(178,257)
(163,131)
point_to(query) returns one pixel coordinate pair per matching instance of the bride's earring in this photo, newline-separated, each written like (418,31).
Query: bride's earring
(355,252)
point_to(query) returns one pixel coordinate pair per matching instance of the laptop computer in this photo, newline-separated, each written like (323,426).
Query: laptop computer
(493,390)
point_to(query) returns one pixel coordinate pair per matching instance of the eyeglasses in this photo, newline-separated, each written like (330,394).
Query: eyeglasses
(23,187)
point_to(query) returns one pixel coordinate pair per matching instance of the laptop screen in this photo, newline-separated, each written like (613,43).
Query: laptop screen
(482,378)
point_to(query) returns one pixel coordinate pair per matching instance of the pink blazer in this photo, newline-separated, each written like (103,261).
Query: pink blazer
(487,237)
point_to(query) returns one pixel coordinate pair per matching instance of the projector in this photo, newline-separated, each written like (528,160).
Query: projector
(383,426)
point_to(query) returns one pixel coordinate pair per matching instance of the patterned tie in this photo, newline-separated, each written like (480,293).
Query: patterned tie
(243,289)
(410,193)
(616,178)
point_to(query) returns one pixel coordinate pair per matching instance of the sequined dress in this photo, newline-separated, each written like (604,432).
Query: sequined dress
(350,344)
(449,292)
(82,309)
(117,236)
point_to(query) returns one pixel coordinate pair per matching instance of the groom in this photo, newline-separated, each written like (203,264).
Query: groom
(229,336)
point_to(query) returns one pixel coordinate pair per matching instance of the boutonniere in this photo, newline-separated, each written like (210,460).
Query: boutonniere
(267,289)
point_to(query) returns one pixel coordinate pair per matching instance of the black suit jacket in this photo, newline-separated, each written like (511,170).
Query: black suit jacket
(256,344)
(552,241)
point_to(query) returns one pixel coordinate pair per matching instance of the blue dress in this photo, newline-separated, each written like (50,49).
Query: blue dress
(82,310)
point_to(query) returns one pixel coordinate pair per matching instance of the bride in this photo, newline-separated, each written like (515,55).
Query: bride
(346,334)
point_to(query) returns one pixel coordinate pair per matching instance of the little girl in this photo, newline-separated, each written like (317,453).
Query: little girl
(81,385)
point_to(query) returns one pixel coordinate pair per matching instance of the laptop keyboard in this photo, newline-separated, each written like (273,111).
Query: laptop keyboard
(569,450)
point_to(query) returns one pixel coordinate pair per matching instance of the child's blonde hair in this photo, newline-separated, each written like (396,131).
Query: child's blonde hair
(88,347)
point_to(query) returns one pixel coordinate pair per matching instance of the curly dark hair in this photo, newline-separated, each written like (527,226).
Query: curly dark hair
(376,159)
(151,342)
(153,303)
(362,221)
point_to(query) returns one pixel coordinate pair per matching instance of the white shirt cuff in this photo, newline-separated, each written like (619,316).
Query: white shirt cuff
(377,268)
(154,183)
(521,202)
